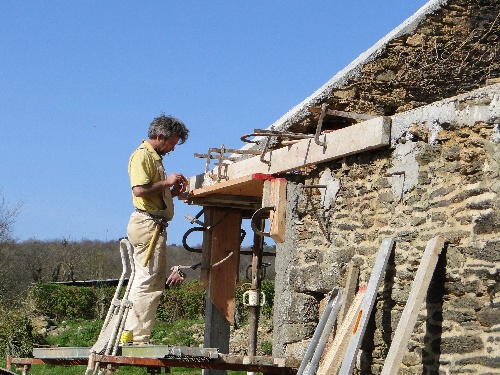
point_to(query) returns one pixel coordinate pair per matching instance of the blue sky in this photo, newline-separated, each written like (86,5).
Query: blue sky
(81,81)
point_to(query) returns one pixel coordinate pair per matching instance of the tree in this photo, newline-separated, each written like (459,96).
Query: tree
(7,219)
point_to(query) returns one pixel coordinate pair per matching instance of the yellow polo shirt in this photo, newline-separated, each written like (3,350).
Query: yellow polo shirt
(142,170)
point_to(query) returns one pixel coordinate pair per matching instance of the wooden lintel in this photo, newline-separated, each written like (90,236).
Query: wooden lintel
(357,138)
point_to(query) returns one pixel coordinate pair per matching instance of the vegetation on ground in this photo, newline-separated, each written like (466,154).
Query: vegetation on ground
(36,312)
(69,316)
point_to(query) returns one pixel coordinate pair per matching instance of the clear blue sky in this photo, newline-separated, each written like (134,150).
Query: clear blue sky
(80,81)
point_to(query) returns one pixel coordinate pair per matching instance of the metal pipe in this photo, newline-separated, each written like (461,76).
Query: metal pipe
(323,330)
(254,308)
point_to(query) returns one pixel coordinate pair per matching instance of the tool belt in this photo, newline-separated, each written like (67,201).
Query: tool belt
(156,217)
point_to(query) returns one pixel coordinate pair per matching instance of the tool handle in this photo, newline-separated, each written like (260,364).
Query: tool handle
(152,244)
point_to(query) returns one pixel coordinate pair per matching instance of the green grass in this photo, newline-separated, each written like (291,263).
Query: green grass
(83,333)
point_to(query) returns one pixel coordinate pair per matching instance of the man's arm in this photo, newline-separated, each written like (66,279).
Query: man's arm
(175,180)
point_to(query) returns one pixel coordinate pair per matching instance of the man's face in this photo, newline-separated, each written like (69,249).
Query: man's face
(167,145)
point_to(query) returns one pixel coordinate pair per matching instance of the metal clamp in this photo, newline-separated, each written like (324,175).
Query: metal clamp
(253,298)
(186,235)
(257,216)
(320,125)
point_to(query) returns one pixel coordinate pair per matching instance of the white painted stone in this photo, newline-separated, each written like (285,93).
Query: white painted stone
(329,194)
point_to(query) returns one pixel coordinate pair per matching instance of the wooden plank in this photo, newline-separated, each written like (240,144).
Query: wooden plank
(413,305)
(366,307)
(350,290)
(231,201)
(277,216)
(335,350)
(247,185)
(223,278)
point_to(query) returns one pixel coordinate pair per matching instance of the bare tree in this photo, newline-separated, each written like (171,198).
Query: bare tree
(7,218)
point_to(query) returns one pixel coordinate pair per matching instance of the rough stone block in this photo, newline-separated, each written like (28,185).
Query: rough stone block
(490,252)
(457,344)
(489,316)
(298,332)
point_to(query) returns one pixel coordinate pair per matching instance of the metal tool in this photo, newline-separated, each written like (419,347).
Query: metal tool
(323,330)
(223,159)
(206,266)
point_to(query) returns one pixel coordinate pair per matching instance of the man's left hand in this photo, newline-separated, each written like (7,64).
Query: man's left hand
(175,278)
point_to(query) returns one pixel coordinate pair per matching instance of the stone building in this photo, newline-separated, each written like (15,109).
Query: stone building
(439,175)
(432,88)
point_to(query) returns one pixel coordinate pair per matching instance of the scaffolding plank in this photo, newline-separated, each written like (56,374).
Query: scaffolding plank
(266,365)
(413,305)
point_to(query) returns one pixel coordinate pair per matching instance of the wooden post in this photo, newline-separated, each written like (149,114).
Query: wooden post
(277,216)
(254,311)
(218,242)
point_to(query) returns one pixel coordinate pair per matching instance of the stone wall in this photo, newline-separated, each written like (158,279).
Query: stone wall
(449,48)
(440,176)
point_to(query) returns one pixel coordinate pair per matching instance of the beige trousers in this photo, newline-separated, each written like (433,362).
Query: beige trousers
(149,282)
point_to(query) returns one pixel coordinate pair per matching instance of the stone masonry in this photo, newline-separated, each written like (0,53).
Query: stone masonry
(440,176)
(433,77)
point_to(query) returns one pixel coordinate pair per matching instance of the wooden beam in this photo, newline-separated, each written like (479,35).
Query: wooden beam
(413,305)
(248,185)
(367,135)
(350,290)
(366,306)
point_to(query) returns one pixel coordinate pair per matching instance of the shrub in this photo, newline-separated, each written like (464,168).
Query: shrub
(69,302)
(186,302)
(16,333)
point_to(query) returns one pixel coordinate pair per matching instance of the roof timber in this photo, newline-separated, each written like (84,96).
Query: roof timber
(364,136)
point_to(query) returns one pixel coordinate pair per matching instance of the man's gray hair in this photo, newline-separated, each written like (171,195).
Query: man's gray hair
(169,127)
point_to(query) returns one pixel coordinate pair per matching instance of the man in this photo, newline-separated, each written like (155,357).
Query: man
(152,193)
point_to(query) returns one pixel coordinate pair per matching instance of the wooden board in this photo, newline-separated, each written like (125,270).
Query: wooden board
(247,185)
(335,350)
(277,216)
(350,290)
(413,305)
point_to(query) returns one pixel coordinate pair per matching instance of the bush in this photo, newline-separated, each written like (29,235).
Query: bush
(186,302)
(61,302)
(16,333)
